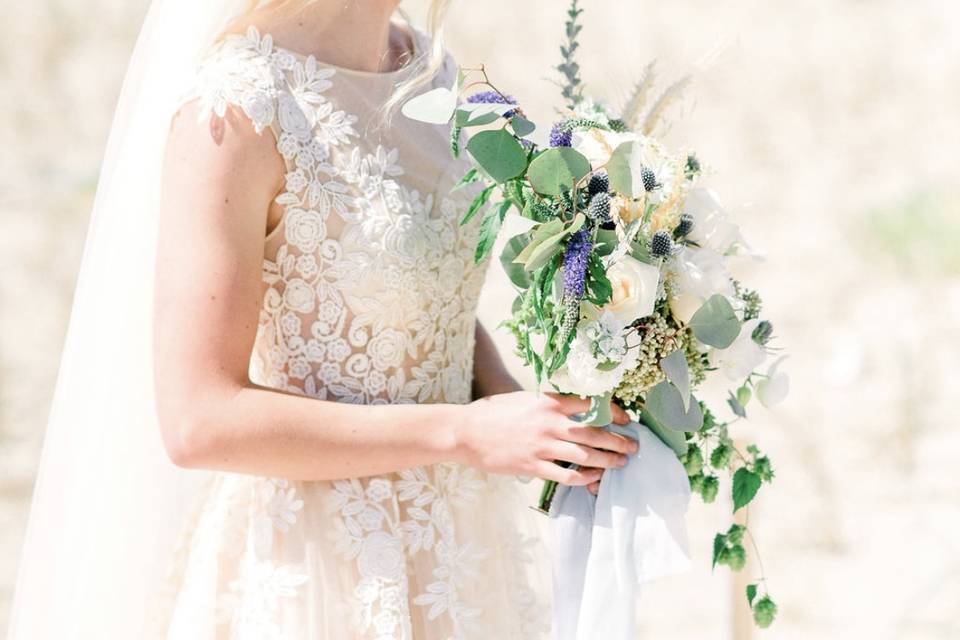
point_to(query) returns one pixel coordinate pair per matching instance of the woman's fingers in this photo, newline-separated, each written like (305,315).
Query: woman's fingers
(598,439)
(619,415)
(572,477)
(583,455)
(594,487)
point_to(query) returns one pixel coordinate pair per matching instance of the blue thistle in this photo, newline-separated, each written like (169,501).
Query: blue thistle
(575,264)
(561,135)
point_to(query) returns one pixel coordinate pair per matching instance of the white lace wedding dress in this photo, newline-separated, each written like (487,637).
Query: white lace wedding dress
(369,296)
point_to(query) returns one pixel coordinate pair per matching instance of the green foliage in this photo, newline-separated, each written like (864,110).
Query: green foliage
(471,176)
(745,486)
(625,169)
(498,153)
(665,405)
(557,170)
(477,204)
(517,274)
(598,287)
(489,228)
(568,68)
(674,366)
(716,323)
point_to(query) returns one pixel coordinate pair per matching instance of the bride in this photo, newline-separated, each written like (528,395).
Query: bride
(277,415)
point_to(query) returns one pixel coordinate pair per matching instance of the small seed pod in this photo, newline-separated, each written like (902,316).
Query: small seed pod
(684,227)
(599,208)
(599,183)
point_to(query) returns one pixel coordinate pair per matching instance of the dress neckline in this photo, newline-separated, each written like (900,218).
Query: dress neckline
(411,57)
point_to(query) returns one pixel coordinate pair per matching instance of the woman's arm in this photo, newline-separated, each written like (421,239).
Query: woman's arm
(219,181)
(490,376)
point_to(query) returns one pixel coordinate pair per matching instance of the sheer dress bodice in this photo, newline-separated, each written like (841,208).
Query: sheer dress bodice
(369,296)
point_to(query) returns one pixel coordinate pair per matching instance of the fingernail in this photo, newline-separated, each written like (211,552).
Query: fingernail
(623,461)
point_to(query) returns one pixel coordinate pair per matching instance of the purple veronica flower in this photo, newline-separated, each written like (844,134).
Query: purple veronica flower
(493,97)
(575,263)
(560,136)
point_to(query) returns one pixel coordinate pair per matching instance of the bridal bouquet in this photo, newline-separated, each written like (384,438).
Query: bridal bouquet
(623,286)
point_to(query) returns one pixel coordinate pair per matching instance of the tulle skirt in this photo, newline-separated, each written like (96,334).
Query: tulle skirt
(433,553)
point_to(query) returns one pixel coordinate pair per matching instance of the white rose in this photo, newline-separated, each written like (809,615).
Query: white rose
(773,389)
(698,275)
(597,145)
(292,118)
(634,289)
(742,357)
(711,228)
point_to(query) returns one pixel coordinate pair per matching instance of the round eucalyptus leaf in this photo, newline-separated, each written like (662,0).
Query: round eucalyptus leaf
(435,106)
(625,170)
(557,169)
(665,404)
(716,323)
(498,153)
(521,126)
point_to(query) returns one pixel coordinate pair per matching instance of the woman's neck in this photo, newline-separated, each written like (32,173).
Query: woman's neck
(354,34)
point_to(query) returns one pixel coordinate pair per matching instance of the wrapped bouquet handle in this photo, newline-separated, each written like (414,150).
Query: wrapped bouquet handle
(606,546)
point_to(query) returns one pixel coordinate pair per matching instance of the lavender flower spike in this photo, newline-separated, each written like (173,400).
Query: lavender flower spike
(575,264)
(491,97)
(560,135)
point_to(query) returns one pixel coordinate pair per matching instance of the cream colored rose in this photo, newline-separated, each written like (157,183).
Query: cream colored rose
(634,289)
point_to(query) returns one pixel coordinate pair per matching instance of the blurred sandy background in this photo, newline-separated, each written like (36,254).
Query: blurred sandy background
(834,126)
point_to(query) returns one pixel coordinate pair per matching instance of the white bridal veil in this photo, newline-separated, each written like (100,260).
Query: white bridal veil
(107,502)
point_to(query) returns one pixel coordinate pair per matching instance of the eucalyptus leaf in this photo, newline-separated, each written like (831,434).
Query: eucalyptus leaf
(557,169)
(716,323)
(521,126)
(514,271)
(464,118)
(434,107)
(625,170)
(498,153)
(673,439)
(664,403)
(541,233)
(675,367)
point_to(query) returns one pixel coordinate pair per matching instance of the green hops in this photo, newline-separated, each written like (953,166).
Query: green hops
(599,183)
(762,334)
(763,468)
(720,458)
(693,460)
(599,208)
(661,244)
(685,226)
(709,488)
(743,395)
(764,612)
(696,483)
(728,548)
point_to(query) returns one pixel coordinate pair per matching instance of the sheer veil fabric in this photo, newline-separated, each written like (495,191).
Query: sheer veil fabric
(107,502)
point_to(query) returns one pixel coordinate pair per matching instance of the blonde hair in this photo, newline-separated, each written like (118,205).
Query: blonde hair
(429,61)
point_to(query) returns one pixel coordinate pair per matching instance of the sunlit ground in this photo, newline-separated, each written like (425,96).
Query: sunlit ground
(832,127)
